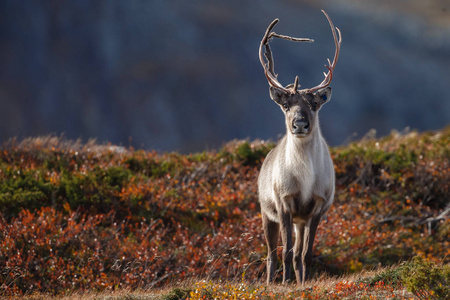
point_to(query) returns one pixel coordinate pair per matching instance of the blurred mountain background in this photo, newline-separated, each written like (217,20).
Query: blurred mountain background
(185,75)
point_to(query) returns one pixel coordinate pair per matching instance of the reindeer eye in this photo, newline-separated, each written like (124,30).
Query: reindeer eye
(286,106)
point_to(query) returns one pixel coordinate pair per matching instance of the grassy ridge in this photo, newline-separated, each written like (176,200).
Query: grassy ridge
(88,217)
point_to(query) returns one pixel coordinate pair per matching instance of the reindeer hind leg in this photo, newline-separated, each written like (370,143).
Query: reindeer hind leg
(271,232)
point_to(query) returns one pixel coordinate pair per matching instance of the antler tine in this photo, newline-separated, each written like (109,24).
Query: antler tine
(269,66)
(295,86)
(337,41)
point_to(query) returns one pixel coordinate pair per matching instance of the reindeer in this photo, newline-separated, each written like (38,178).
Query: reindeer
(296,182)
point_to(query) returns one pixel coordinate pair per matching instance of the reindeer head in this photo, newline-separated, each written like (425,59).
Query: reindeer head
(300,109)
(299,106)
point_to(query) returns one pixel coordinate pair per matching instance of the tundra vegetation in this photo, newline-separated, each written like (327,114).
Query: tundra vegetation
(106,221)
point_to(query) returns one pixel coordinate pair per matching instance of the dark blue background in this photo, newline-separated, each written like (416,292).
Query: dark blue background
(185,75)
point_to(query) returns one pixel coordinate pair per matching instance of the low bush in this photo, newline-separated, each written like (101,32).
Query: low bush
(99,217)
(426,279)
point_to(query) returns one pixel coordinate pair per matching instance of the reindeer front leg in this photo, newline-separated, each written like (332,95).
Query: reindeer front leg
(304,240)
(308,246)
(286,238)
(298,247)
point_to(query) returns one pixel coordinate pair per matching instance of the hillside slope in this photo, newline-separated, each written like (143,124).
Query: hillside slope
(77,217)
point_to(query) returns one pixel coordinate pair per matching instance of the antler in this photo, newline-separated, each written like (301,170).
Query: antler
(337,41)
(269,66)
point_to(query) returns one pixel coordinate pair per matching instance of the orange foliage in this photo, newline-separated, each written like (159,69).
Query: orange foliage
(89,218)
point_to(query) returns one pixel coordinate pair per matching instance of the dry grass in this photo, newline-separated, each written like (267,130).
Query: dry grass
(61,143)
(321,287)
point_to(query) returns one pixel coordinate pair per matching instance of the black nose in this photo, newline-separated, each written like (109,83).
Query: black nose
(300,125)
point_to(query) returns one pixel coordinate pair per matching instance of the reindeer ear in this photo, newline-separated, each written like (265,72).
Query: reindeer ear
(277,94)
(321,97)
